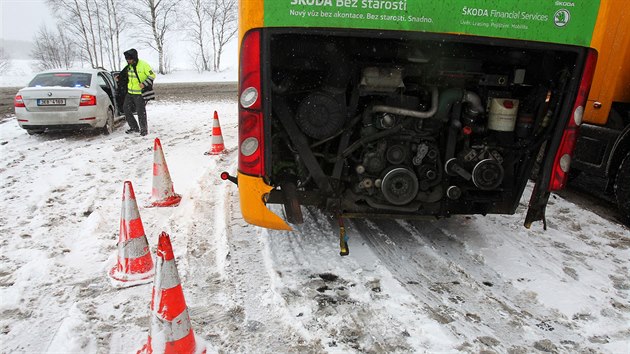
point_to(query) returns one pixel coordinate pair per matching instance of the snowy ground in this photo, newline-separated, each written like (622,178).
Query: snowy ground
(464,284)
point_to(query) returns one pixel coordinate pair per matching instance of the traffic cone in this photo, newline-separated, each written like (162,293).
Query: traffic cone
(134,265)
(171,330)
(162,194)
(217,146)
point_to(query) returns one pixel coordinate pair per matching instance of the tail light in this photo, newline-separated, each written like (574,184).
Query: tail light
(250,121)
(562,161)
(18,101)
(88,100)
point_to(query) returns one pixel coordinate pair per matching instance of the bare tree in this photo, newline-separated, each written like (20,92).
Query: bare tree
(168,67)
(98,25)
(197,29)
(223,26)
(114,26)
(5,61)
(74,17)
(195,60)
(67,48)
(53,50)
(157,19)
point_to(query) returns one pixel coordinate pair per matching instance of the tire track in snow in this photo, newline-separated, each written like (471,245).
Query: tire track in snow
(70,302)
(485,311)
(350,303)
(233,253)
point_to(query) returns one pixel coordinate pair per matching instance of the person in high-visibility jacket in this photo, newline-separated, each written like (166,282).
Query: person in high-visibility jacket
(139,90)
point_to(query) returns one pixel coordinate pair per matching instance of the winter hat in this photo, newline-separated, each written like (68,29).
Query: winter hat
(131,54)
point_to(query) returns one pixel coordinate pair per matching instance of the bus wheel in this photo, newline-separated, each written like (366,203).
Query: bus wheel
(622,188)
(292,208)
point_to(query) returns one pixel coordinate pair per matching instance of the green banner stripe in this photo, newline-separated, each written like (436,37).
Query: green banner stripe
(556,21)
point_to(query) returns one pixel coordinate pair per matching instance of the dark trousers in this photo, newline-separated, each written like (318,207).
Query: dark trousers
(137,102)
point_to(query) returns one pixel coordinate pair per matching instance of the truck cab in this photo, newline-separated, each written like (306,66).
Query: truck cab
(603,148)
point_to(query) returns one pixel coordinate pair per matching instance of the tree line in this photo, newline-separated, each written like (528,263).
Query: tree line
(90,31)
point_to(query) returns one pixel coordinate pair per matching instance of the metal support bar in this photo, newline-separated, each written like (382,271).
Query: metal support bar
(343,238)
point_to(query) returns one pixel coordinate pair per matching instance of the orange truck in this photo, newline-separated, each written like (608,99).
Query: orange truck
(400,108)
(603,148)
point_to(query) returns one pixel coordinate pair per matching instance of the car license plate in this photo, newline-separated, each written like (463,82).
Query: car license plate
(51,102)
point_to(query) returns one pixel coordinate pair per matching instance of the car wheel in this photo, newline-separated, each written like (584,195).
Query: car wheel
(108,128)
(34,131)
(622,188)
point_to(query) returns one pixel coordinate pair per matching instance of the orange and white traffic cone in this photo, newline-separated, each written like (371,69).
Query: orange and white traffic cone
(217,146)
(134,265)
(171,330)
(162,194)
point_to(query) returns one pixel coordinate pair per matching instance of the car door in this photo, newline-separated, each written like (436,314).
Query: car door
(120,85)
(105,82)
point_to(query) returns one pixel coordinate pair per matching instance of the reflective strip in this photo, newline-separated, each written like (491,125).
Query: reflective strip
(162,182)
(149,95)
(134,92)
(171,331)
(128,191)
(133,248)
(159,163)
(129,210)
(217,136)
(168,277)
(217,139)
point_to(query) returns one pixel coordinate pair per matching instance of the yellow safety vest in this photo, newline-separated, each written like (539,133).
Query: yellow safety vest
(145,76)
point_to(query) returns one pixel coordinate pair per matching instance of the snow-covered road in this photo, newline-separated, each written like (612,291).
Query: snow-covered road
(464,284)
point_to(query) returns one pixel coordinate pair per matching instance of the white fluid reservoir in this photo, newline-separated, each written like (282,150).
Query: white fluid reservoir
(502,114)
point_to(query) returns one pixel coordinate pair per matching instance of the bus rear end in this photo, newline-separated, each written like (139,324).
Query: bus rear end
(399,109)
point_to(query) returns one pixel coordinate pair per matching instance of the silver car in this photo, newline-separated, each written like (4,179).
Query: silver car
(68,99)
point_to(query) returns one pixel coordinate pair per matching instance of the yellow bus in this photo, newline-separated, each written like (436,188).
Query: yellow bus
(398,108)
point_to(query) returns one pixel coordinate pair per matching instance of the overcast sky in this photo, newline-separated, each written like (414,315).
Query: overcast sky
(21,19)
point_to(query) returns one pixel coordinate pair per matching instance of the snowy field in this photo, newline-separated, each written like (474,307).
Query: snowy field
(22,71)
(464,284)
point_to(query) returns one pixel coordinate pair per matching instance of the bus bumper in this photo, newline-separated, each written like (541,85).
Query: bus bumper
(252,193)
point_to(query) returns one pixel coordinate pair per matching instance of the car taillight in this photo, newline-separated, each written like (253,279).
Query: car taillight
(562,161)
(88,100)
(250,120)
(18,101)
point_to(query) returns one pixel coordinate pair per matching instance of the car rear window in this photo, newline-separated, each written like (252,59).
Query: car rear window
(61,79)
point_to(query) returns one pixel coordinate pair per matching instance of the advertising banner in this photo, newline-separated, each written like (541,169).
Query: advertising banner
(557,21)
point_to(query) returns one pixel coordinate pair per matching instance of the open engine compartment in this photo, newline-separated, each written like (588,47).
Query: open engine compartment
(361,122)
